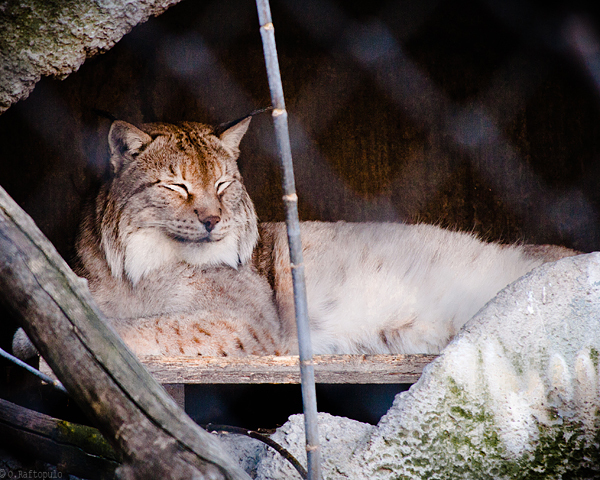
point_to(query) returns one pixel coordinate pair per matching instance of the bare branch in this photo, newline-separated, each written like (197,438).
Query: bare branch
(136,415)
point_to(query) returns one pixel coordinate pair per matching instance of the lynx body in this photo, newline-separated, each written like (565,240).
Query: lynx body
(175,257)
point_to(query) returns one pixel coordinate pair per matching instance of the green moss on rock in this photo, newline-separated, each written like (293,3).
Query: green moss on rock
(54,37)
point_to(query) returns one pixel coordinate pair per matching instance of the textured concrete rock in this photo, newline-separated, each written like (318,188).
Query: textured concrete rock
(340,438)
(515,395)
(244,450)
(50,37)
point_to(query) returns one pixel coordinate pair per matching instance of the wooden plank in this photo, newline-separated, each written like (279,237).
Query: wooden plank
(352,369)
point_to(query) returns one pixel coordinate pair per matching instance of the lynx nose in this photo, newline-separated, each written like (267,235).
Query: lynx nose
(209,215)
(210,222)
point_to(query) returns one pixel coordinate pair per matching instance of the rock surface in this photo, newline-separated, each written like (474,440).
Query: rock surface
(515,395)
(41,37)
(340,438)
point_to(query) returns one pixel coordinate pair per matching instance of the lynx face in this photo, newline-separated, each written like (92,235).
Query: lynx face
(176,196)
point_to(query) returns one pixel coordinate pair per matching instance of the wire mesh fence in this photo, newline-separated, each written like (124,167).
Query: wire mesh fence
(479,115)
(464,92)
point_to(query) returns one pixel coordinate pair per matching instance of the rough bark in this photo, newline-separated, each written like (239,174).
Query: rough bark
(41,37)
(80,450)
(155,438)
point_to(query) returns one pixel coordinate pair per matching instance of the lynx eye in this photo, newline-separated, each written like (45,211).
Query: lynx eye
(180,188)
(221,185)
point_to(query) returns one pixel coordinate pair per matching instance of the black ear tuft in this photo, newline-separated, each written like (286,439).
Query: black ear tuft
(125,142)
(104,113)
(225,126)
(231,133)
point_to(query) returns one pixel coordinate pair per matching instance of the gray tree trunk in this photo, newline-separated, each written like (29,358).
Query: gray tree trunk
(155,438)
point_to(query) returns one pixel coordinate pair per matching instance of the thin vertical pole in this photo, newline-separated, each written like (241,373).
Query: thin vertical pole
(307,373)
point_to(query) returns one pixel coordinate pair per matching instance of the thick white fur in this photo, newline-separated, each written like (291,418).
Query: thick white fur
(430,283)
(148,251)
(393,288)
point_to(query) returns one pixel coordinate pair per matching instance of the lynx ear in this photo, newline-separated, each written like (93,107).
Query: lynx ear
(232,137)
(125,142)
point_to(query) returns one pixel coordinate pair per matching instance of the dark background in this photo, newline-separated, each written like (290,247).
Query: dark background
(478,115)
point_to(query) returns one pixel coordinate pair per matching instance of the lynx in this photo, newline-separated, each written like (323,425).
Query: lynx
(176,259)
(166,246)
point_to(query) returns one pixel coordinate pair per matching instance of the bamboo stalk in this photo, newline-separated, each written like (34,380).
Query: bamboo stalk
(307,374)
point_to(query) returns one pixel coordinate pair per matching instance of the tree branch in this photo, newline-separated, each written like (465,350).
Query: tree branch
(56,310)
(83,450)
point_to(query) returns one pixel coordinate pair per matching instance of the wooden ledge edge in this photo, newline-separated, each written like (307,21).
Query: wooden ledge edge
(359,369)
